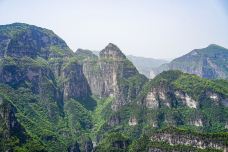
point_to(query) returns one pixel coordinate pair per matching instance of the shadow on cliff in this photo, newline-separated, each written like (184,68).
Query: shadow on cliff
(88,102)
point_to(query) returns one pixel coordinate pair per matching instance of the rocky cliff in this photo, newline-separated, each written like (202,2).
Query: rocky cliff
(13,131)
(173,99)
(173,139)
(178,92)
(111,74)
(38,75)
(177,138)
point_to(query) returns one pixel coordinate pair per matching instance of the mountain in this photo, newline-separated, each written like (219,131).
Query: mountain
(40,83)
(54,99)
(113,75)
(49,94)
(146,65)
(171,100)
(210,62)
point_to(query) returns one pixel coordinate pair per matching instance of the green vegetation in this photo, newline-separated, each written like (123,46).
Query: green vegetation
(57,50)
(113,142)
(196,85)
(144,144)
(23,62)
(98,114)
(118,142)
(39,113)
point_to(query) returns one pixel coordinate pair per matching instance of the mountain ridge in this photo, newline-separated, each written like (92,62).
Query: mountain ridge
(209,62)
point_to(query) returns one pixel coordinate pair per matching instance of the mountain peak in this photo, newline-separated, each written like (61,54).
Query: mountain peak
(31,41)
(112,51)
(111,45)
(215,46)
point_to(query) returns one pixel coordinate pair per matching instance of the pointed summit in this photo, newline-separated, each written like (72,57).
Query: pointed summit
(112,51)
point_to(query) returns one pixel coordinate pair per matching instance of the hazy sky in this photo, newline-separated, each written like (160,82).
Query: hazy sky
(149,28)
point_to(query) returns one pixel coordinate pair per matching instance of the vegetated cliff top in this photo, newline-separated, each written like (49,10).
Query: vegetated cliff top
(85,54)
(189,82)
(19,40)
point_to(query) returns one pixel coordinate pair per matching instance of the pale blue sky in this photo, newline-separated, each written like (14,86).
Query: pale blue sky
(149,28)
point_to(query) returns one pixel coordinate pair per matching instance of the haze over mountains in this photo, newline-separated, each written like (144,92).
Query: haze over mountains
(54,99)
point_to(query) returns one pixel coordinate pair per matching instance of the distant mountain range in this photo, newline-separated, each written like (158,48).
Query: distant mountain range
(210,62)
(146,65)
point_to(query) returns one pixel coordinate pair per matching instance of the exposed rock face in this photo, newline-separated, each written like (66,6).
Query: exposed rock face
(114,120)
(226,125)
(159,96)
(158,150)
(186,100)
(73,148)
(46,90)
(9,122)
(38,78)
(132,121)
(113,142)
(45,48)
(151,100)
(35,59)
(104,76)
(166,102)
(88,146)
(71,79)
(26,51)
(75,84)
(197,122)
(120,144)
(209,62)
(190,140)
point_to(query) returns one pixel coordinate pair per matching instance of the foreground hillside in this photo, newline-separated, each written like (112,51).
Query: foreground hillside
(54,99)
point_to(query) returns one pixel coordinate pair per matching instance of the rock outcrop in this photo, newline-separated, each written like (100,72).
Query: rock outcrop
(12,128)
(37,63)
(74,148)
(106,76)
(181,138)
(174,90)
